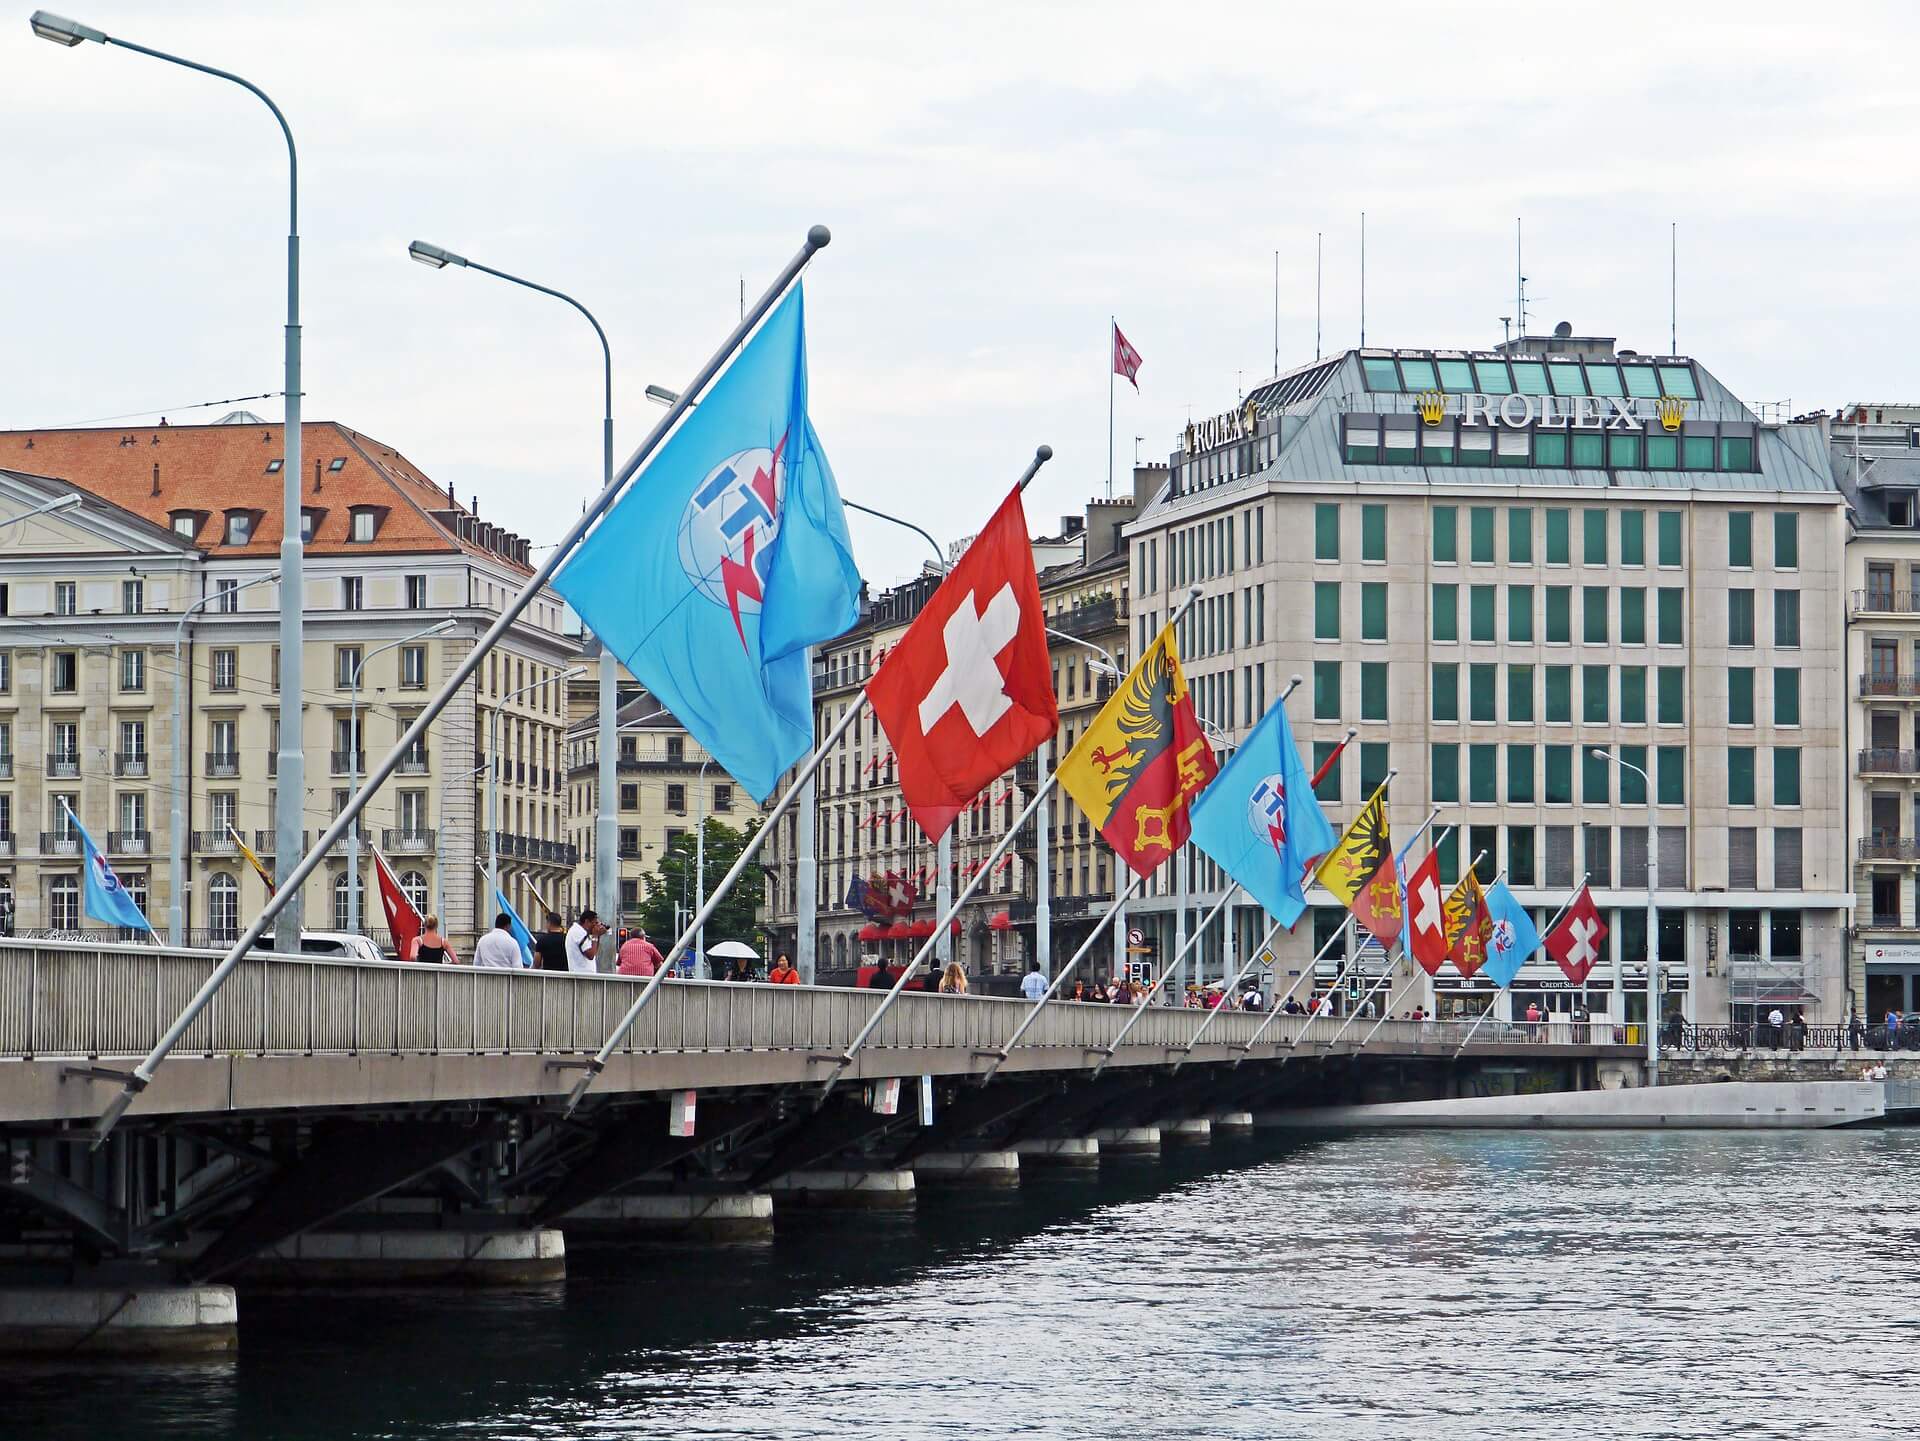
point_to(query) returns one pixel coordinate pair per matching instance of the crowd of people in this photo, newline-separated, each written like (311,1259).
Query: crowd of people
(580,948)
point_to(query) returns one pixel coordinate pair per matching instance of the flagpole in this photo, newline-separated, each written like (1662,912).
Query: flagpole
(1053,989)
(1496,996)
(1332,757)
(500,898)
(1107,1052)
(1111,328)
(598,1063)
(142,1075)
(1226,1001)
(1386,975)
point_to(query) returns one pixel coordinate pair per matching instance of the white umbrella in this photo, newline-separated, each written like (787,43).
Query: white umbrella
(733,951)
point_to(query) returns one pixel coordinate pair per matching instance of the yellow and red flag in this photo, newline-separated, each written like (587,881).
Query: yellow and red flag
(1360,871)
(1469,925)
(246,850)
(1143,760)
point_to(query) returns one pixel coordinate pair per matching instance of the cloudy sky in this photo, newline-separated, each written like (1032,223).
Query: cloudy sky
(998,178)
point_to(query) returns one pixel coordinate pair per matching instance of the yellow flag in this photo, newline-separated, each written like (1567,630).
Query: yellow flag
(1359,870)
(252,860)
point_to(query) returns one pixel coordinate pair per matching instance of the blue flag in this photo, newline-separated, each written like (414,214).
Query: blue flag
(104,898)
(516,925)
(726,559)
(1514,935)
(1260,820)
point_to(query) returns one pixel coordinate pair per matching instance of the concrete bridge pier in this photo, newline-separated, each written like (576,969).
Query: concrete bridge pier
(972,1168)
(844,1189)
(137,1319)
(720,1216)
(461,1256)
(1058,1151)
(1190,1131)
(1128,1141)
(1233,1123)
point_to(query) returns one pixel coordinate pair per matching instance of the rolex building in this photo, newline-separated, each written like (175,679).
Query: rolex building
(1493,566)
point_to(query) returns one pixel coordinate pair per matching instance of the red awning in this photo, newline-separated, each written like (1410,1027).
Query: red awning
(899,931)
(873,933)
(919,930)
(1000,921)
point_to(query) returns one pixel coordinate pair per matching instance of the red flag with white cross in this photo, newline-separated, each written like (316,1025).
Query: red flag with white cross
(1575,942)
(1426,915)
(1126,360)
(968,690)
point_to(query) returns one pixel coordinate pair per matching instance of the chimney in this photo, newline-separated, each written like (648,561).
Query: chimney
(156,479)
(450,499)
(316,475)
(474,506)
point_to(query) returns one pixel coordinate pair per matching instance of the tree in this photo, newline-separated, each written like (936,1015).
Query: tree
(671,893)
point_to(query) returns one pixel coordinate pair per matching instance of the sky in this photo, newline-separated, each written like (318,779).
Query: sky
(999,180)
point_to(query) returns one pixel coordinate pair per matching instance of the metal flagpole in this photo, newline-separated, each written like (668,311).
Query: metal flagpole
(1112,331)
(1332,756)
(1386,975)
(1137,880)
(142,1074)
(1043,875)
(1550,925)
(1139,1010)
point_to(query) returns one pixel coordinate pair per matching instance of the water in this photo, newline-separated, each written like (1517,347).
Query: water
(1388,1285)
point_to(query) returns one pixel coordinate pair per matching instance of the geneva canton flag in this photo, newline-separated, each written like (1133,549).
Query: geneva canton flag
(1261,821)
(726,559)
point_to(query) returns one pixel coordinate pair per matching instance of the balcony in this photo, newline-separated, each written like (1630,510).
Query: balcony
(62,765)
(1092,619)
(342,760)
(215,843)
(6,766)
(1026,774)
(406,842)
(1894,922)
(265,841)
(1889,848)
(59,843)
(223,765)
(1884,600)
(6,844)
(1878,761)
(129,843)
(130,763)
(414,762)
(1888,685)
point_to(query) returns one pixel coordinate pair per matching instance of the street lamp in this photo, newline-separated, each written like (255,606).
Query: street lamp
(69,501)
(606,825)
(353,765)
(177,862)
(493,769)
(291,770)
(1653,932)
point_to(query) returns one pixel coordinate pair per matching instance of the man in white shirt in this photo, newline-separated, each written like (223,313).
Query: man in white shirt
(1033,985)
(497,948)
(582,944)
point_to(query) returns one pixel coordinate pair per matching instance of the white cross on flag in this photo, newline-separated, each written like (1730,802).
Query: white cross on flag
(1126,360)
(1426,915)
(968,690)
(1575,941)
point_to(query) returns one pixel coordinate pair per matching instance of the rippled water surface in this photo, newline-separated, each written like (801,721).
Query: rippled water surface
(1447,1285)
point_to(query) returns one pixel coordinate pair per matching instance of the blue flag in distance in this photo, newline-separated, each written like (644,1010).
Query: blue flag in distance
(103,897)
(1514,937)
(516,925)
(1261,821)
(726,558)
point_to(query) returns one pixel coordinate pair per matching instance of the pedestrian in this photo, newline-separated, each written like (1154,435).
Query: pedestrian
(1892,1029)
(1367,1012)
(1252,1000)
(1033,985)
(741,970)
(583,942)
(1856,1029)
(879,980)
(1776,1028)
(953,980)
(497,949)
(431,948)
(550,946)
(783,973)
(638,956)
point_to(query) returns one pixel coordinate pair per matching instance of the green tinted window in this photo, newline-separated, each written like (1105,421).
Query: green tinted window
(1326,610)
(1670,775)
(1445,534)
(1480,689)
(1445,761)
(1326,532)
(1520,775)
(1786,541)
(1596,778)
(1740,539)
(1641,381)
(1373,690)
(1633,790)
(1671,629)
(1329,788)
(1736,452)
(1445,688)
(1566,378)
(1558,539)
(1696,452)
(1374,766)
(1480,534)
(1520,536)
(1593,614)
(1480,613)
(1482,769)
(1326,690)
(1633,615)
(1740,695)
(1604,378)
(1373,610)
(1549,448)
(1663,452)
(1491,376)
(1456,376)
(1670,537)
(1623,451)
(1740,775)
(1520,693)
(1673,695)
(1402,446)
(1446,612)
(1740,630)
(1786,696)
(1559,693)
(1594,706)
(1559,614)
(1530,377)
(1786,619)
(1589,451)
(1633,537)
(1381,374)
(1436,445)
(1633,695)
(1593,536)
(1520,613)
(1418,375)
(1677,380)
(1786,775)
(1373,532)
(1559,766)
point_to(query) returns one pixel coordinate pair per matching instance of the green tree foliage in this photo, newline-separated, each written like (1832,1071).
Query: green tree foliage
(738,918)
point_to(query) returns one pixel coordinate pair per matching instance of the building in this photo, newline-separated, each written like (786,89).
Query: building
(1875,451)
(1492,563)
(171,516)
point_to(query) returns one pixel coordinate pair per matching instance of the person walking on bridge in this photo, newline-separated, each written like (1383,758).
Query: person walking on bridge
(497,949)
(638,956)
(783,973)
(550,946)
(583,944)
(1033,985)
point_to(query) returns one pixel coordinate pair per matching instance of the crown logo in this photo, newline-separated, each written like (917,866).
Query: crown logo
(1432,406)
(1671,411)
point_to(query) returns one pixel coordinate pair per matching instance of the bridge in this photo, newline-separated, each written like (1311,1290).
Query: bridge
(345,1120)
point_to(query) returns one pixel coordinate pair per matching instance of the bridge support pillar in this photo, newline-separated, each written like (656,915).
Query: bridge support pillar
(1193,1131)
(118,1320)
(1058,1151)
(972,1168)
(1236,1123)
(851,1190)
(1129,1141)
(716,1216)
(466,1258)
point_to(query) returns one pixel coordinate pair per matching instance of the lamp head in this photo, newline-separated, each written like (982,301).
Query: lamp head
(661,395)
(433,255)
(1598,754)
(62,31)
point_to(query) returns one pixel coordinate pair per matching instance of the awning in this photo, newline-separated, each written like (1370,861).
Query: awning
(1000,921)
(898,931)
(919,930)
(873,933)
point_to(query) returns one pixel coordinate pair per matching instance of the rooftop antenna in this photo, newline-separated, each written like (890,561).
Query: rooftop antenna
(1318,237)
(1363,280)
(1276,312)
(1673,287)
(1519,282)
(1506,330)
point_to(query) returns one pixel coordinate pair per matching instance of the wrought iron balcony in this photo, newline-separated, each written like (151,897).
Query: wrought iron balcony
(59,843)
(215,843)
(265,841)
(1889,684)
(1108,613)
(1889,848)
(223,765)
(6,843)
(343,760)
(406,842)
(1885,600)
(129,843)
(1887,762)
(414,762)
(63,765)
(130,763)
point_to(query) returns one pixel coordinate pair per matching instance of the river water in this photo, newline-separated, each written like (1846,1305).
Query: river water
(1384,1285)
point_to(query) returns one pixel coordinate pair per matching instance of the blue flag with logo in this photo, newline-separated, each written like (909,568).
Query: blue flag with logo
(1514,935)
(103,897)
(1260,820)
(726,558)
(515,924)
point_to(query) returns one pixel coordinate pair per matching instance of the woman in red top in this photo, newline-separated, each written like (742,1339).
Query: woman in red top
(783,973)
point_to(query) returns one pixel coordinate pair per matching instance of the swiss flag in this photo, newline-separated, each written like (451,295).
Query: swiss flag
(1575,941)
(968,690)
(1126,360)
(403,921)
(1426,915)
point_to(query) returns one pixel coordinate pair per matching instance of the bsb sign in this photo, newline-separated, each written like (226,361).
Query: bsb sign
(1582,412)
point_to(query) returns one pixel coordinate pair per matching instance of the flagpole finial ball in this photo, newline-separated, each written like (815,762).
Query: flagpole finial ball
(819,237)
(1298,679)
(1043,454)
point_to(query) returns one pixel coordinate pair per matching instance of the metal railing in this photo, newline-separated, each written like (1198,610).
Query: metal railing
(1889,848)
(6,766)
(71,999)
(6,843)
(339,761)
(1878,760)
(215,843)
(130,763)
(1763,1036)
(59,843)
(63,765)
(223,765)
(413,763)
(130,843)
(1886,683)
(406,842)
(1885,600)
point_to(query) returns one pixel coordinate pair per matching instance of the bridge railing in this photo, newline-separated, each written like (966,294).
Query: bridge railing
(75,1000)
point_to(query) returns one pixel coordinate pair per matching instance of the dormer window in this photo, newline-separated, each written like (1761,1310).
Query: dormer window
(239,527)
(337,464)
(273,466)
(364,524)
(185,523)
(310,517)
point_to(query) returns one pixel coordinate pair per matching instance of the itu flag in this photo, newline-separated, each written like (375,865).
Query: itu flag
(104,898)
(1261,821)
(726,559)
(1512,936)
(514,923)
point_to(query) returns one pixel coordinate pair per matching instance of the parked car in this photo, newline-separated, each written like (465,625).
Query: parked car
(346,944)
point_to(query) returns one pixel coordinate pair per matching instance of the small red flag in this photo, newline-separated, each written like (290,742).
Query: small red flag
(1426,915)
(1575,941)
(403,921)
(1126,360)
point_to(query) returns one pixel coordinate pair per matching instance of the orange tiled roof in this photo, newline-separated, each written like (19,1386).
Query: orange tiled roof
(216,468)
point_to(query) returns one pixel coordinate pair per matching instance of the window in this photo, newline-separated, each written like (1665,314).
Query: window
(63,903)
(133,596)
(66,598)
(1557,537)
(6,672)
(1740,695)
(1373,611)
(1520,775)
(1596,778)
(133,670)
(1594,706)
(1446,612)
(1559,694)
(1633,615)
(1520,614)
(1593,614)
(1589,450)
(1482,771)
(1329,788)
(364,521)
(351,592)
(1559,867)
(1740,539)
(1326,610)
(65,678)
(1740,618)
(228,596)
(1519,693)
(1736,452)
(1786,619)
(1373,690)
(1445,689)
(1786,775)
(1559,614)
(413,667)
(1786,857)
(1696,452)
(1480,692)
(1519,536)
(1445,761)
(1669,536)
(677,798)
(1670,775)
(185,524)
(1739,775)
(416,592)
(1670,629)
(1480,605)
(1445,547)
(1326,532)
(723,798)
(223,907)
(1786,541)
(1373,533)
(1480,535)
(1786,696)
(1326,690)
(1663,452)
(1374,764)
(676,750)
(1671,681)
(1593,532)
(346,666)
(225,670)
(1549,448)
(1559,768)
(1633,789)
(239,527)
(1598,844)
(1633,537)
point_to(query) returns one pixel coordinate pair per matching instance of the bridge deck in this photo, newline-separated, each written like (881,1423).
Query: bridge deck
(323,1032)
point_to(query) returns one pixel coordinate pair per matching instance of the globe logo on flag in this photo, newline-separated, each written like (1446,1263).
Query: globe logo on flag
(727,530)
(1267,811)
(109,882)
(1502,935)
